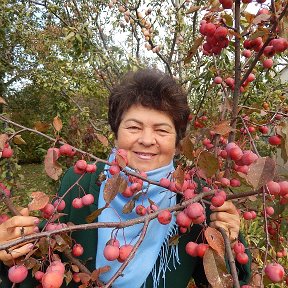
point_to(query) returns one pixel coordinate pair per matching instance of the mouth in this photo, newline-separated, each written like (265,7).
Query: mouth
(145,155)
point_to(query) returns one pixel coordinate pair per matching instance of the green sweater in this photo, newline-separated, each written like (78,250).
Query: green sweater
(191,267)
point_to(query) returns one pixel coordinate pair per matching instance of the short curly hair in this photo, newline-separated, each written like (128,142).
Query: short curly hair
(153,89)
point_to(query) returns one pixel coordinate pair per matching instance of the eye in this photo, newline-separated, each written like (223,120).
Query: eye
(162,131)
(133,128)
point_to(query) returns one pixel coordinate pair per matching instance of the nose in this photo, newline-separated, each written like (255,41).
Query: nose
(147,137)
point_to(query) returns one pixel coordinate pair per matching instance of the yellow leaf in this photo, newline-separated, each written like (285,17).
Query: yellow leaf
(19,140)
(57,123)
(193,49)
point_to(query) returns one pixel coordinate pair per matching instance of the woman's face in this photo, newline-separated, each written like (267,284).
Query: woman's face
(149,136)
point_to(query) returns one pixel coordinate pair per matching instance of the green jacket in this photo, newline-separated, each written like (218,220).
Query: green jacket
(191,267)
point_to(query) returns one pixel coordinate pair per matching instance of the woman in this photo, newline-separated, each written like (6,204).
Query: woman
(148,113)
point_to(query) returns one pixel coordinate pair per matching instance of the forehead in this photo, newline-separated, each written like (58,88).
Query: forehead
(145,115)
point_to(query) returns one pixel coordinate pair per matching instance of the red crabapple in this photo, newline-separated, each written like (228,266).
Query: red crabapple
(201,249)
(77,250)
(67,150)
(76,278)
(87,199)
(217,201)
(91,168)
(114,169)
(267,63)
(164,182)
(246,53)
(191,248)
(60,204)
(269,210)
(235,182)
(275,140)
(242,258)
(17,274)
(77,203)
(52,279)
(111,252)
(238,248)
(247,215)
(38,275)
(275,272)
(183,220)
(189,194)
(124,252)
(140,210)
(283,187)
(235,153)
(81,164)
(164,217)
(194,210)
(273,188)
(264,129)
(7,152)
(220,33)
(218,80)
(56,266)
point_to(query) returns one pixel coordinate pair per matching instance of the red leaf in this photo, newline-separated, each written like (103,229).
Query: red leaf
(112,187)
(178,175)
(208,163)
(260,172)
(52,168)
(216,271)
(215,240)
(39,201)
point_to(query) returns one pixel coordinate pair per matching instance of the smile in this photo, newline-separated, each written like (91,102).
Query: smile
(145,156)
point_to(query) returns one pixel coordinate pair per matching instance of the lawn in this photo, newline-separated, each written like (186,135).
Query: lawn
(33,178)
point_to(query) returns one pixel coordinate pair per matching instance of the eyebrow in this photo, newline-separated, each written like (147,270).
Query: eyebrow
(141,123)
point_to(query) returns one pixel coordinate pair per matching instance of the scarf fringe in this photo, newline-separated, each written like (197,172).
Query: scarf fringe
(166,253)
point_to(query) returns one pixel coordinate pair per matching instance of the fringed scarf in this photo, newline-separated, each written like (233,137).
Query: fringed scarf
(156,239)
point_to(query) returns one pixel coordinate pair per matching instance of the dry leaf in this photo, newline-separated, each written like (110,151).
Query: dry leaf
(128,207)
(193,49)
(84,277)
(75,268)
(120,160)
(187,147)
(102,139)
(216,271)
(92,217)
(3,140)
(193,9)
(18,140)
(52,168)
(208,163)
(260,172)
(57,123)
(39,201)
(178,175)
(2,101)
(223,128)
(215,240)
(41,126)
(261,18)
(112,187)
(174,240)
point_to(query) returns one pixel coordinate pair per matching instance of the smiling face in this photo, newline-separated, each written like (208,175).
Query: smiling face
(149,136)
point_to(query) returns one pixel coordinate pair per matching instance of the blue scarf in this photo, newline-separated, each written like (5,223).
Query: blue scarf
(156,239)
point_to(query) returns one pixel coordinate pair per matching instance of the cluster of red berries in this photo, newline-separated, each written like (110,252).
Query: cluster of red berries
(192,214)
(141,210)
(249,215)
(279,189)
(81,167)
(277,45)
(113,251)
(119,163)
(194,249)
(7,151)
(85,200)
(242,159)
(216,38)
(240,254)
(136,185)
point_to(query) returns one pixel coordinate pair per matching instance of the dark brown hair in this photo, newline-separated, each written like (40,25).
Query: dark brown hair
(153,89)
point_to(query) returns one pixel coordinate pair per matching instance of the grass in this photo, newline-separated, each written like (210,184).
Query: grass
(32,178)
